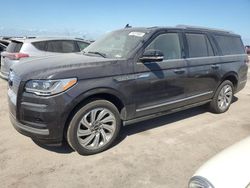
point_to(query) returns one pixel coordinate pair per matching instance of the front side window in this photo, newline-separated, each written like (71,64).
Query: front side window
(168,44)
(199,45)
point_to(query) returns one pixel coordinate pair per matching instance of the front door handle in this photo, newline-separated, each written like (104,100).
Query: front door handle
(179,71)
(215,66)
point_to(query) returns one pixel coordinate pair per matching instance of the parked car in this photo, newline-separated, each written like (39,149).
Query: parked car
(229,168)
(20,48)
(3,45)
(128,76)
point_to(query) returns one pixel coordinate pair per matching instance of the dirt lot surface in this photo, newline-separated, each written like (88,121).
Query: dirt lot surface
(163,152)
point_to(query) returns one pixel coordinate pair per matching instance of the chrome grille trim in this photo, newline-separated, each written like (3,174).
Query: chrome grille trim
(15,83)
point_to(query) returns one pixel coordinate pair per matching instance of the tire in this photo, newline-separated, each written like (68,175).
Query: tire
(223,97)
(94,127)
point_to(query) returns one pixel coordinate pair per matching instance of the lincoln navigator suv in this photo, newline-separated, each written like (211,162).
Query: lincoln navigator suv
(127,76)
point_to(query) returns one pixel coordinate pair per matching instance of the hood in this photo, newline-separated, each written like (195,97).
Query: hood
(230,168)
(66,66)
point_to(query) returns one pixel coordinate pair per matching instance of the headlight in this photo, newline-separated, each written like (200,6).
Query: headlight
(49,87)
(199,182)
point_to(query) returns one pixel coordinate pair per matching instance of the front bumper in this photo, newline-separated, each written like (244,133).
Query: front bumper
(42,119)
(39,135)
(27,130)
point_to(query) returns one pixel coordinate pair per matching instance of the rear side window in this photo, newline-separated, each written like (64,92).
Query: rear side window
(199,45)
(14,47)
(230,44)
(169,44)
(40,45)
(65,46)
(82,45)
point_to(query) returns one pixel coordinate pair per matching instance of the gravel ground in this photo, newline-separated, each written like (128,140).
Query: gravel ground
(163,152)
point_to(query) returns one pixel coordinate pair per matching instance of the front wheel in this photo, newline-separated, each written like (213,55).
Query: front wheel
(222,98)
(94,127)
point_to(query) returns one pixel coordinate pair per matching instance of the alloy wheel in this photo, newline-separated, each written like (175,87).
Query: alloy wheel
(96,128)
(225,97)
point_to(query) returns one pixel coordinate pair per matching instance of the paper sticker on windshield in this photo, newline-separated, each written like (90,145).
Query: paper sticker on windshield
(137,34)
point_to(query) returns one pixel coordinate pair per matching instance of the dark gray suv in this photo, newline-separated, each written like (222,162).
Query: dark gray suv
(127,76)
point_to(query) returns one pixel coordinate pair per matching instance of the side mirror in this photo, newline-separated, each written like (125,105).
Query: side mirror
(152,56)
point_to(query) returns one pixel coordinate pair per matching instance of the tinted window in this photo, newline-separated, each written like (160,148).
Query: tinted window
(199,45)
(40,45)
(230,44)
(61,46)
(14,47)
(169,44)
(82,45)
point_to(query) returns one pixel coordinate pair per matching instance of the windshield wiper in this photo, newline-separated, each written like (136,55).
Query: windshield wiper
(98,53)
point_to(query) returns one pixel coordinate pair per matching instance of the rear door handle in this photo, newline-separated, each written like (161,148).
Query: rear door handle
(179,71)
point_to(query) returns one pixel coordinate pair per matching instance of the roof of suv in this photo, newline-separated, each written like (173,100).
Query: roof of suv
(38,39)
(183,27)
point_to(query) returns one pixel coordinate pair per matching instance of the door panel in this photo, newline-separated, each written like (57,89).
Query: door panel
(203,77)
(160,86)
(203,67)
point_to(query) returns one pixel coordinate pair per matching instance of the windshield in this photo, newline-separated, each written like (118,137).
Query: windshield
(117,44)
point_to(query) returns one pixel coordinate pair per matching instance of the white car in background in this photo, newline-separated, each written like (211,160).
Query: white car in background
(20,48)
(228,169)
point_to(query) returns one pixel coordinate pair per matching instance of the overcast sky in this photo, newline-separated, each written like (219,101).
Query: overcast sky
(93,18)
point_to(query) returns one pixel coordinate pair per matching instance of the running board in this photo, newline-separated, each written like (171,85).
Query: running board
(144,118)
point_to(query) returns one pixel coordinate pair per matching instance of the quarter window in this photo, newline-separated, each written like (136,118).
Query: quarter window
(230,44)
(199,45)
(169,44)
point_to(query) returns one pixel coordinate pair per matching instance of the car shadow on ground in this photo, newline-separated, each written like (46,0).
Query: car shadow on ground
(162,121)
(63,149)
(139,127)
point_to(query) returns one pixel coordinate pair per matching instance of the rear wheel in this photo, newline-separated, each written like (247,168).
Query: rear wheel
(94,127)
(222,98)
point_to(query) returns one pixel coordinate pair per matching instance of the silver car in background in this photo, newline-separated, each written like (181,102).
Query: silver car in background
(20,48)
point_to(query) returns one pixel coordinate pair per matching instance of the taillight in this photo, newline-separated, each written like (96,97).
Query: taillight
(16,56)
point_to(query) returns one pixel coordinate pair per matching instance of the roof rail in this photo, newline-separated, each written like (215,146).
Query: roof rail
(203,28)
